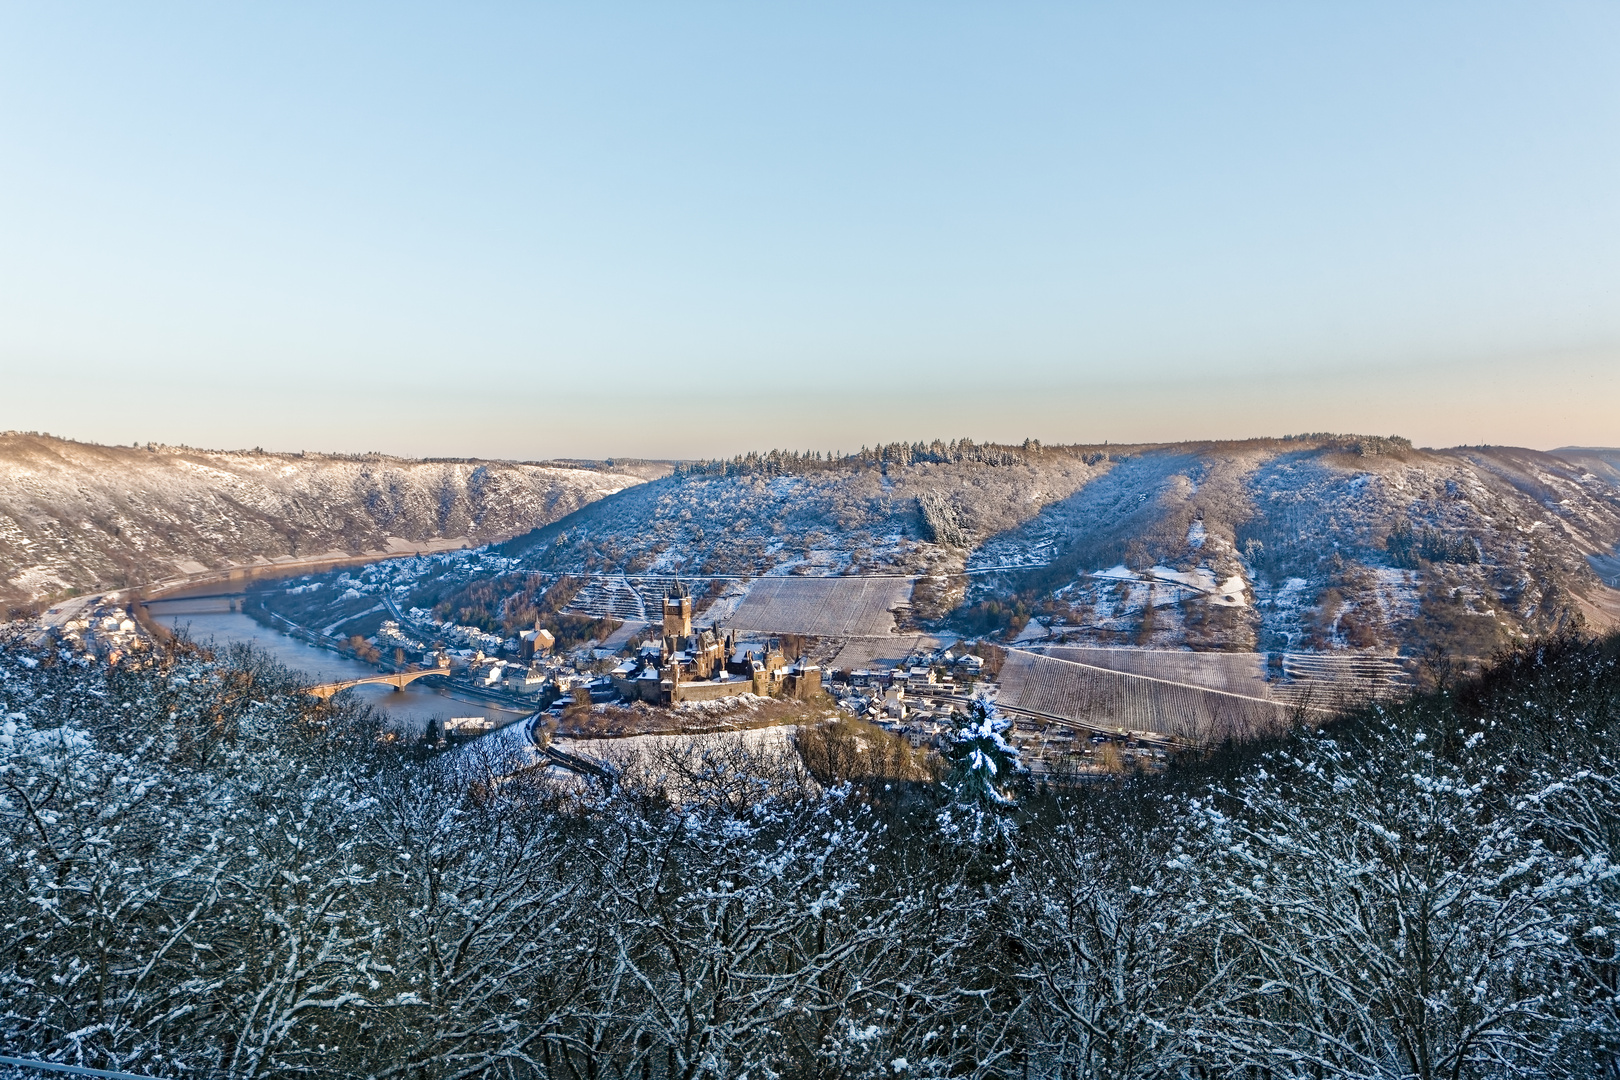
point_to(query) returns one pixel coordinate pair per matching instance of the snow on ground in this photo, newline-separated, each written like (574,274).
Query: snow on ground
(654,761)
(1607,567)
(332,629)
(1283,608)
(1232,593)
(1237,673)
(75,514)
(1110,699)
(885,651)
(617,640)
(822,607)
(1124,494)
(502,752)
(1396,594)
(724,607)
(1199,582)
(1034,630)
(1200,579)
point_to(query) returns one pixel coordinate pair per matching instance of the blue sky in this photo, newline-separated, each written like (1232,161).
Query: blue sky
(674,230)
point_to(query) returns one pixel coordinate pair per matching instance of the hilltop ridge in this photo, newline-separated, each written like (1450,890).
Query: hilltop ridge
(79,516)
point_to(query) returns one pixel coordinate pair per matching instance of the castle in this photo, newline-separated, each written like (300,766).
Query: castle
(708,664)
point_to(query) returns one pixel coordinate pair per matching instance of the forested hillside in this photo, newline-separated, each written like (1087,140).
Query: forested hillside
(900,507)
(206,873)
(1314,542)
(81,516)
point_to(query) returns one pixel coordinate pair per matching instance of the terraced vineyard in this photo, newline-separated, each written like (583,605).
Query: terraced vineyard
(619,598)
(1329,681)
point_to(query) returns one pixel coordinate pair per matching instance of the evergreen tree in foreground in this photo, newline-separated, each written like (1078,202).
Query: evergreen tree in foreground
(981,783)
(984,767)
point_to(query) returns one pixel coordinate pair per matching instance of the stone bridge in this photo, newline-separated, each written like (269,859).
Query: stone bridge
(398,680)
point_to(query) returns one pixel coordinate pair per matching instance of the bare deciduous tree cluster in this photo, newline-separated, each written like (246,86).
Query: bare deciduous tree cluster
(206,874)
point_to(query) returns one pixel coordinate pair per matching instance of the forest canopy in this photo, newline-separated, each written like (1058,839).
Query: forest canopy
(207,873)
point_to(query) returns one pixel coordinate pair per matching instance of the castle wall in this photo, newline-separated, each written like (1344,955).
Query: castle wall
(711,691)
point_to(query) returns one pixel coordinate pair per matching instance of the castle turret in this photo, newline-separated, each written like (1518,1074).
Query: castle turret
(678,612)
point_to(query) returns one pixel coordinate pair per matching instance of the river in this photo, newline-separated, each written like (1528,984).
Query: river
(409,709)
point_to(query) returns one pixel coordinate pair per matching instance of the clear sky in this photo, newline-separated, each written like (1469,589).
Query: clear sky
(674,230)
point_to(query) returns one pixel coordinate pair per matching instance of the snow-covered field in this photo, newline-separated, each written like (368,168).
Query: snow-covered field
(1114,700)
(886,651)
(822,607)
(1235,673)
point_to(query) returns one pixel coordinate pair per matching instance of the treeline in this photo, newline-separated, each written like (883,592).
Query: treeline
(1360,445)
(206,873)
(898,454)
(958,451)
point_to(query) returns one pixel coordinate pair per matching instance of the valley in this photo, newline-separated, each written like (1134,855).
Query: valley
(1190,592)
(1316,543)
(79,517)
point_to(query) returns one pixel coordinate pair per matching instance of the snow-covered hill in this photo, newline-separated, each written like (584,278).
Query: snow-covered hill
(1324,543)
(870,515)
(1311,542)
(74,515)
(1315,542)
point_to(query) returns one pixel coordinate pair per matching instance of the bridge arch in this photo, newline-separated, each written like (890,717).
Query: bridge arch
(398,680)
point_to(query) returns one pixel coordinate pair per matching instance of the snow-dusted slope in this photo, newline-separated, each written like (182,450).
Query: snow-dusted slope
(1322,543)
(78,515)
(1314,542)
(1269,544)
(1603,461)
(836,521)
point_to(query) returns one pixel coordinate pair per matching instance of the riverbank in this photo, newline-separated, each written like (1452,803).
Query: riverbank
(410,709)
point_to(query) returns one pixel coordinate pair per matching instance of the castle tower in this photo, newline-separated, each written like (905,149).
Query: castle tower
(678,612)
